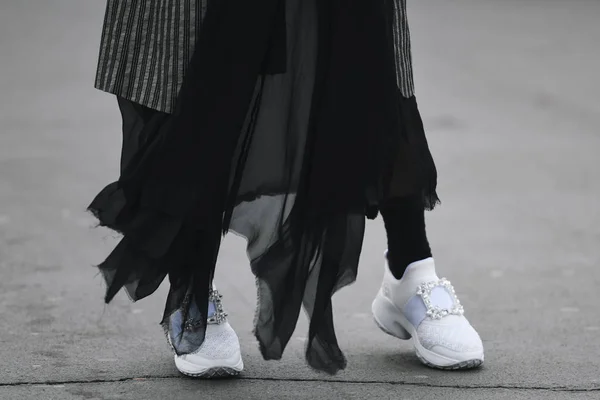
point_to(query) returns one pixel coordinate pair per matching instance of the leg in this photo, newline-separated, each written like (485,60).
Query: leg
(219,355)
(404,219)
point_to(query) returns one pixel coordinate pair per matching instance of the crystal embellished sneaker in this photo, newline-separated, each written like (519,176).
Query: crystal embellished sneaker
(220,355)
(424,307)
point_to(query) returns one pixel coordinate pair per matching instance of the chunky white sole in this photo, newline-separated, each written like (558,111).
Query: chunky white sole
(224,368)
(392,321)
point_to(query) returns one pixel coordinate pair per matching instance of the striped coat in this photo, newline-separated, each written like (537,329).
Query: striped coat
(146,46)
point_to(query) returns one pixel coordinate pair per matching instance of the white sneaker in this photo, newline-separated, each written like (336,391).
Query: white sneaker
(424,307)
(220,355)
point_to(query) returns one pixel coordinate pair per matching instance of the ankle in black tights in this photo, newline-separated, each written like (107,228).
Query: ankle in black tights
(404,219)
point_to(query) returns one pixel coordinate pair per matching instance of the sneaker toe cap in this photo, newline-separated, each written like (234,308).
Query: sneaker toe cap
(450,337)
(220,342)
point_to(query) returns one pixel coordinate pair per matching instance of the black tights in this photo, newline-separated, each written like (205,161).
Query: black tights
(404,219)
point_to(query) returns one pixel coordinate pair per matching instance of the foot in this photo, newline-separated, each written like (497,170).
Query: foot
(425,308)
(220,355)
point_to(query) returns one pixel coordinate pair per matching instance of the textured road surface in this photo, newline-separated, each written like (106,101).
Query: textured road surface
(509,94)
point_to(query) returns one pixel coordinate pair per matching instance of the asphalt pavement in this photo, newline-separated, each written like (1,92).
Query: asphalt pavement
(508,91)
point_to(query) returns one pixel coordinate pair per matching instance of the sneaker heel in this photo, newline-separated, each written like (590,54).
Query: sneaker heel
(385,315)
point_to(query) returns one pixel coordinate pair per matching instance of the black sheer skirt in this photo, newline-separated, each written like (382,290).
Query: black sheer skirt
(289,130)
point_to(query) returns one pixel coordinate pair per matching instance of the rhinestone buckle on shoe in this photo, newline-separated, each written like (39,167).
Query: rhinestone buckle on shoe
(435,312)
(219,316)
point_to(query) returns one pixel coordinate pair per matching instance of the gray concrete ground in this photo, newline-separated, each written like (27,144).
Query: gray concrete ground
(509,94)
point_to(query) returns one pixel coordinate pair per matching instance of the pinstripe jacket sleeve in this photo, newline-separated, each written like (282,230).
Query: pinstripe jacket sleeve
(146,46)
